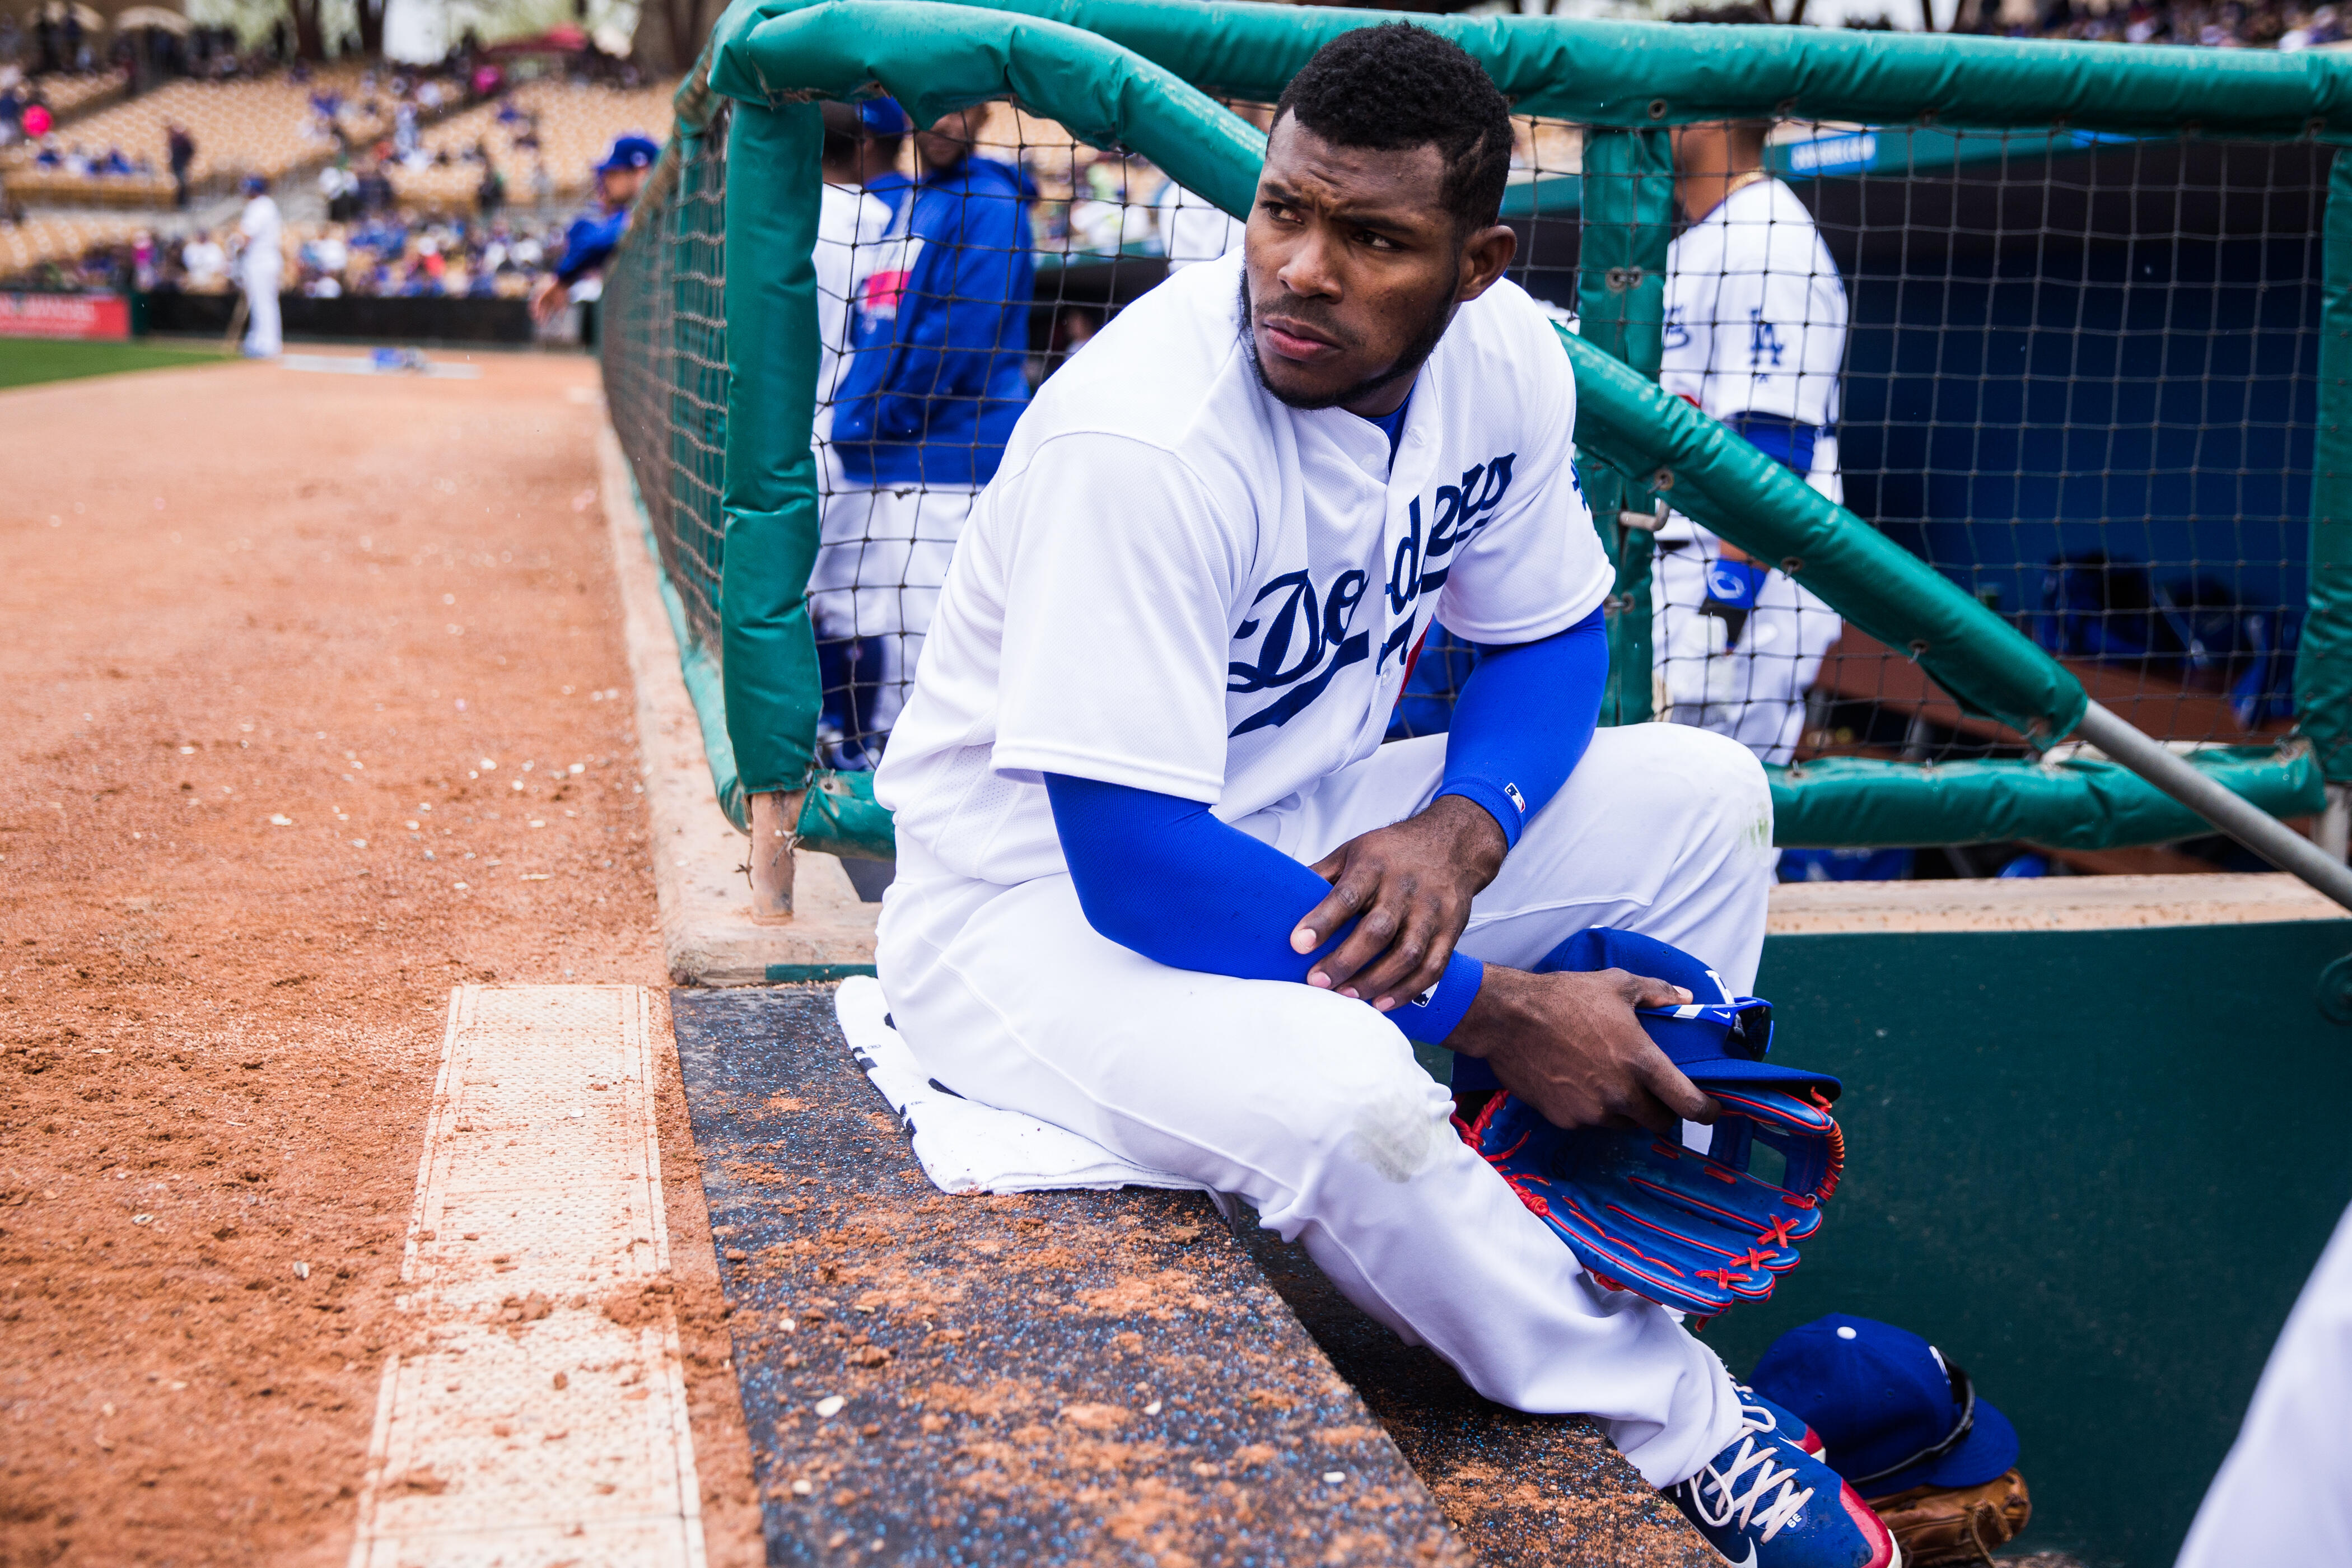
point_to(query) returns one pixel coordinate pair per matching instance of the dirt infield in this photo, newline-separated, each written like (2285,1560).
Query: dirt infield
(268,634)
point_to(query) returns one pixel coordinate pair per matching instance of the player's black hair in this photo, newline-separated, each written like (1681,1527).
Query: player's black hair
(1397,86)
(842,132)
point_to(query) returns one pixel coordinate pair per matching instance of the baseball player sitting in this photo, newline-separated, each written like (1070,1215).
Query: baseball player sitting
(1160,882)
(1755,332)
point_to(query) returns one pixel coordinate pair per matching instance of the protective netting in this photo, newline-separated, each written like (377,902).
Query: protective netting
(2075,374)
(662,334)
(2081,381)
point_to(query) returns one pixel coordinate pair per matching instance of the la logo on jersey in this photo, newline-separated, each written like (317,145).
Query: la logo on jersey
(1301,636)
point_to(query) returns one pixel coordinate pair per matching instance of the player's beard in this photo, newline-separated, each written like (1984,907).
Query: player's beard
(1407,363)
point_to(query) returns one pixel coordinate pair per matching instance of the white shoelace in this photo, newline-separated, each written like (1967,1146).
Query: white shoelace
(1757,1507)
(1755,1417)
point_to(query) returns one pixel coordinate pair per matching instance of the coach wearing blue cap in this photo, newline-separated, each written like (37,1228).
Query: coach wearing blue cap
(588,243)
(1903,1423)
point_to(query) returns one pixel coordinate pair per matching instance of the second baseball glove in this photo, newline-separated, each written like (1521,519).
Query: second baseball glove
(1956,1524)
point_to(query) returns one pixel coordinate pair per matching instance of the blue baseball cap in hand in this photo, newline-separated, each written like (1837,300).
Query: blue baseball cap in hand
(1893,1411)
(1718,1040)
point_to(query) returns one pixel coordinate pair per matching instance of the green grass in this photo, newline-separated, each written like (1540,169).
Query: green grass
(25,362)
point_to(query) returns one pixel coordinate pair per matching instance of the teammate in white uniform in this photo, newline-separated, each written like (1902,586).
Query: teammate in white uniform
(1156,686)
(260,267)
(854,216)
(2281,1496)
(1755,332)
(861,153)
(937,378)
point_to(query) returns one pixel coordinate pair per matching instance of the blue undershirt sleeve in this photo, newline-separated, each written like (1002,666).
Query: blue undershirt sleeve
(1160,876)
(1523,721)
(588,244)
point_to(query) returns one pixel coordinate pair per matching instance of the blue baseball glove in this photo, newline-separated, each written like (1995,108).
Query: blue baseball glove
(1689,1230)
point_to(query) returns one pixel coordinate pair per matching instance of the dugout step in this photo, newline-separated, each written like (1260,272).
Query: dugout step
(1520,1490)
(1081,1376)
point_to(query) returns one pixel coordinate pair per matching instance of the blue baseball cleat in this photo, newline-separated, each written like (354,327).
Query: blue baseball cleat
(1766,1502)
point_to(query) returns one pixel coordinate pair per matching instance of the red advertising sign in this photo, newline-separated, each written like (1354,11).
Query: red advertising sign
(64,316)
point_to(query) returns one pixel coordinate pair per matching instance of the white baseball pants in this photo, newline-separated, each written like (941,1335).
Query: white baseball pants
(1754,692)
(263,338)
(1312,1107)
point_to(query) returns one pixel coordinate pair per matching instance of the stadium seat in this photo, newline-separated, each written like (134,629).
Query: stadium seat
(240,128)
(576,124)
(43,237)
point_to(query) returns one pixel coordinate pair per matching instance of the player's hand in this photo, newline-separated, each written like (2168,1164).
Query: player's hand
(1568,1045)
(545,298)
(1408,887)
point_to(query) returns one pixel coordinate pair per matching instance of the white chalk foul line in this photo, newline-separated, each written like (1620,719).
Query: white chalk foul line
(524,1424)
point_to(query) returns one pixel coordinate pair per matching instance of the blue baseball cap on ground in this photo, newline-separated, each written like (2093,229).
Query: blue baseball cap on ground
(883,117)
(1718,1040)
(630,152)
(1893,1411)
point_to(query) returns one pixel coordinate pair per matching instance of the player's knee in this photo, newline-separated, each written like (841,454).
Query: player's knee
(1364,1106)
(1704,786)
(1327,1057)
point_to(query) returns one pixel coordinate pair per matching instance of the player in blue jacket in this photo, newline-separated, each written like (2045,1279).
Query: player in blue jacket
(589,241)
(937,377)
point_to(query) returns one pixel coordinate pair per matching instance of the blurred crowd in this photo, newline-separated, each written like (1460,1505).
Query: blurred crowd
(25,110)
(434,257)
(2231,24)
(437,257)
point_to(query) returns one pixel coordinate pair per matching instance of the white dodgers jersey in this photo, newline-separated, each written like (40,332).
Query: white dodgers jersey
(1179,583)
(1756,313)
(1755,319)
(850,226)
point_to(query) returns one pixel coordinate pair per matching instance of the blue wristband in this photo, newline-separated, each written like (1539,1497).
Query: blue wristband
(1502,802)
(1438,1011)
(1735,584)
